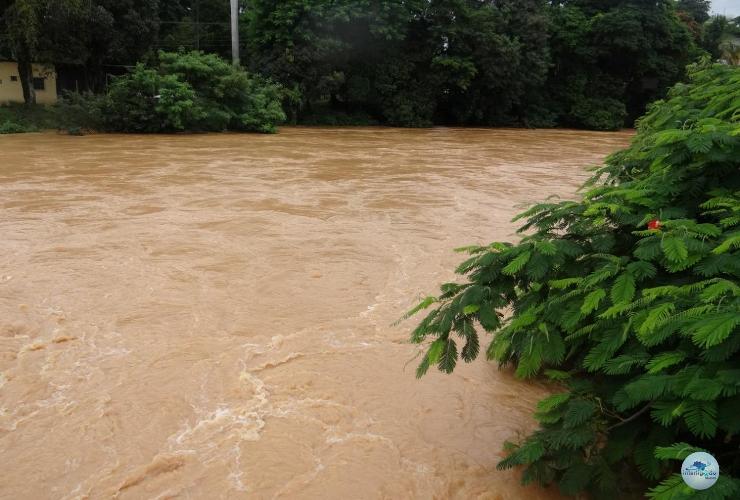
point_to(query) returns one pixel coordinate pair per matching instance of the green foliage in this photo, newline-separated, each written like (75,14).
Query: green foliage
(24,118)
(72,111)
(78,111)
(580,63)
(327,116)
(599,113)
(70,32)
(697,9)
(640,327)
(147,101)
(526,62)
(14,128)
(191,91)
(610,59)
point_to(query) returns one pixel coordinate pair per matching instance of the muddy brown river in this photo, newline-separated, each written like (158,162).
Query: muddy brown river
(210,316)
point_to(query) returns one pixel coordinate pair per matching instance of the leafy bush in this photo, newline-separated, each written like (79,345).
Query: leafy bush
(628,301)
(598,114)
(79,111)
(192,91)
(325,116)
(72,112)
(147,101)
(227,97)
(25,118)
(14,128)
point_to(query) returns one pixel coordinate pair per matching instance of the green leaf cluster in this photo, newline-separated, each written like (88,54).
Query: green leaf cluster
(191,91)
(640,328)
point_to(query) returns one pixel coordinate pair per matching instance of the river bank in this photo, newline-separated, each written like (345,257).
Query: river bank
(73,118)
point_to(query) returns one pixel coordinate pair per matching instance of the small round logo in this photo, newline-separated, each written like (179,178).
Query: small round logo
(700,470)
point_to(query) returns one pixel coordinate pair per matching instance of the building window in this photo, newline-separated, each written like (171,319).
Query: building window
(38,84)
(13,78)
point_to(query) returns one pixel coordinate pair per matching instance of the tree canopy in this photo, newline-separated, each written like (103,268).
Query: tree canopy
(581,63)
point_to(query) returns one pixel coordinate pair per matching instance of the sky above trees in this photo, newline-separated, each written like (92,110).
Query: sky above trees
(730,8)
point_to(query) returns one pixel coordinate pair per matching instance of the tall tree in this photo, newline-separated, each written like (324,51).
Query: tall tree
(41,31)
(196,24)
(697,9)
(611,58)
(22,19)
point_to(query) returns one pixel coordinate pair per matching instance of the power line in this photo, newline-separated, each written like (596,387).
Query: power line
(224,23)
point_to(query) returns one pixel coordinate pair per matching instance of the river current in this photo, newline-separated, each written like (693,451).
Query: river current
(211,316)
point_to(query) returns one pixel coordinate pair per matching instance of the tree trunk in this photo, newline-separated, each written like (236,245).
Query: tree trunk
(25,72)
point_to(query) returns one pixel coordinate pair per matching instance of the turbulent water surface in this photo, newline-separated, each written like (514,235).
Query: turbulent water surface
(210,316)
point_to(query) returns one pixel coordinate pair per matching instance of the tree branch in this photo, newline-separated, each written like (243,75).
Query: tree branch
(633,417)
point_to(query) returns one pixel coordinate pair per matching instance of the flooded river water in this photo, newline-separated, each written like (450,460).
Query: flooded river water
(209,316)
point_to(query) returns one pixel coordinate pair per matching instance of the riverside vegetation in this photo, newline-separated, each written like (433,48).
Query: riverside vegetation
(189,91)
(628,301)
(590,64)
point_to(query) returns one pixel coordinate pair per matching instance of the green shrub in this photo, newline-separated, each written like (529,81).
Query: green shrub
(598,114)
(9,127)
(326,116)
(409,110)
(627,300)
(28,118)
(79,111)
(228,97)
(72,111)
(192,91)
(147,101)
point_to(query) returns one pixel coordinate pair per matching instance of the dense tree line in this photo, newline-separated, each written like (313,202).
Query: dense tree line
(583,63)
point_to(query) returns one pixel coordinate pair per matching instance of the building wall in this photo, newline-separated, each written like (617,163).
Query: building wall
(11,90)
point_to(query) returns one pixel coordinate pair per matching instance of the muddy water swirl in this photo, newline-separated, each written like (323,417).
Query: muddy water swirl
(209,316)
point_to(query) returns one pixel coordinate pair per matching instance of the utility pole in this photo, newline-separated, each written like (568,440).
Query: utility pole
(197,24)
(235,32)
